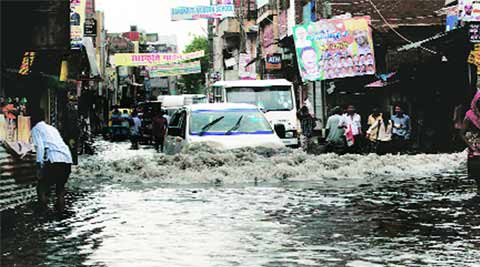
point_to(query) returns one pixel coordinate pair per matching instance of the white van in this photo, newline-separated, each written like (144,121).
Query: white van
(171,103)
(276,98)
(224,126)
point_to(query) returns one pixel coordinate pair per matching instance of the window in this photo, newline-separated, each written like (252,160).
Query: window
(277,98)
(241,121)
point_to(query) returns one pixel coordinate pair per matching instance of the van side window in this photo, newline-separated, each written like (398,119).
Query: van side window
(183,123)
(178,124)
(175,121)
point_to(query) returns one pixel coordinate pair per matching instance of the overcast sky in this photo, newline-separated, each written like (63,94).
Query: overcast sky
(153,16)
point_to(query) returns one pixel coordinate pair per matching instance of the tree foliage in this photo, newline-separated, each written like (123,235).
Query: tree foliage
(195,83)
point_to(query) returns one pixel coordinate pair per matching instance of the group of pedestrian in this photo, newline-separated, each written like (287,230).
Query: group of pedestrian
(384,133)
(134,123)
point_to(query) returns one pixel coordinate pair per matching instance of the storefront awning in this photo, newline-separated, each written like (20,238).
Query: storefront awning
(88,45)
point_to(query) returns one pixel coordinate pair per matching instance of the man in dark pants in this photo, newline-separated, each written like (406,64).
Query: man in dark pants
(159,128)
(54,160)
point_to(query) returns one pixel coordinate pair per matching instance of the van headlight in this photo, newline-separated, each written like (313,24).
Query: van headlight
(289,134)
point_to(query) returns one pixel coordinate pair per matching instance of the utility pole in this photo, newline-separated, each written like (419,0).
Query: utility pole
(212,52)
(210,38)
(241,10)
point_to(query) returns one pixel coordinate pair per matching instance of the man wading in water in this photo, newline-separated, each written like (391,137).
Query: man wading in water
(471,135)
(54,160)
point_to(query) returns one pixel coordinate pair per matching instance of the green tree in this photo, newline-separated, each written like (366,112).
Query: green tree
(195,83)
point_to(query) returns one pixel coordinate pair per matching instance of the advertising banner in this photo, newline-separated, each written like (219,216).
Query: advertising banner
(132,60)
(283,24)
(334,48)
(246,72)
(203,12)
(469,10)
(77,20)
(174,69)
(268,37)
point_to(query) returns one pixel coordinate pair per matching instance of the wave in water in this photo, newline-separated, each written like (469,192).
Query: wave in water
(204,164)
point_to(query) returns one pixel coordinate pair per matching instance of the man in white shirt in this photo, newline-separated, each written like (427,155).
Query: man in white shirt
(54,160)
(352,122)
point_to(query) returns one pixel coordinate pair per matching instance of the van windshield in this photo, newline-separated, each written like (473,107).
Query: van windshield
(228,122)
(276,98)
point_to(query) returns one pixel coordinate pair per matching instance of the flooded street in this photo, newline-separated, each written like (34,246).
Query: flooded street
(254,208)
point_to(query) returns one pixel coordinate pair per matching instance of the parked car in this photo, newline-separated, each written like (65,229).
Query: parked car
(224,126)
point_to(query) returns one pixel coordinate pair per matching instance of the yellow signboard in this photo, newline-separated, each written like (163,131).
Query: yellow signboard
(132,60)
(27,63)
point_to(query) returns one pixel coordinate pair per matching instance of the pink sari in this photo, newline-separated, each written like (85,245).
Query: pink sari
(473,115)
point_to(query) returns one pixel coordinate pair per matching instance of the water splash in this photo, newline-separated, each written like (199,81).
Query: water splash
(205,164)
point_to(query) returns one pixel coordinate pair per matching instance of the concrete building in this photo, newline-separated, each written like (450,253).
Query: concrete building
(235,44)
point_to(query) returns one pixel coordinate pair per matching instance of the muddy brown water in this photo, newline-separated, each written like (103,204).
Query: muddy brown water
(393,221)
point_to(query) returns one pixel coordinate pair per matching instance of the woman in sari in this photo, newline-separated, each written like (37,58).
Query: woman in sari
(471,135)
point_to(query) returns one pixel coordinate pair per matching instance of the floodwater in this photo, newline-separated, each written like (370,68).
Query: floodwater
(254,207)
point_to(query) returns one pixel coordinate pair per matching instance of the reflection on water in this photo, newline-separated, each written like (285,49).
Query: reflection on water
(430,221)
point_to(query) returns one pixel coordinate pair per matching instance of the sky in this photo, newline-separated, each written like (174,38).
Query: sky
(153,16)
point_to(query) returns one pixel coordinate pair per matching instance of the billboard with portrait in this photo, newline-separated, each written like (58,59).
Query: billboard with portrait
(469,10)
(77,20)
(334,48)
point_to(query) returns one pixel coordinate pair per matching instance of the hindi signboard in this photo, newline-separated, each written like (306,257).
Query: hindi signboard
(203,12)
(334,48)
(132,60)
(174,69)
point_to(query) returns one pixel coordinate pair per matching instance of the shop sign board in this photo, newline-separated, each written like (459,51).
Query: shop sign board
(90,27)
(203,12)
(141,59)
(77,20)
(273,62)
(27,63)
(474,32)
(474,57)
(334,48)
